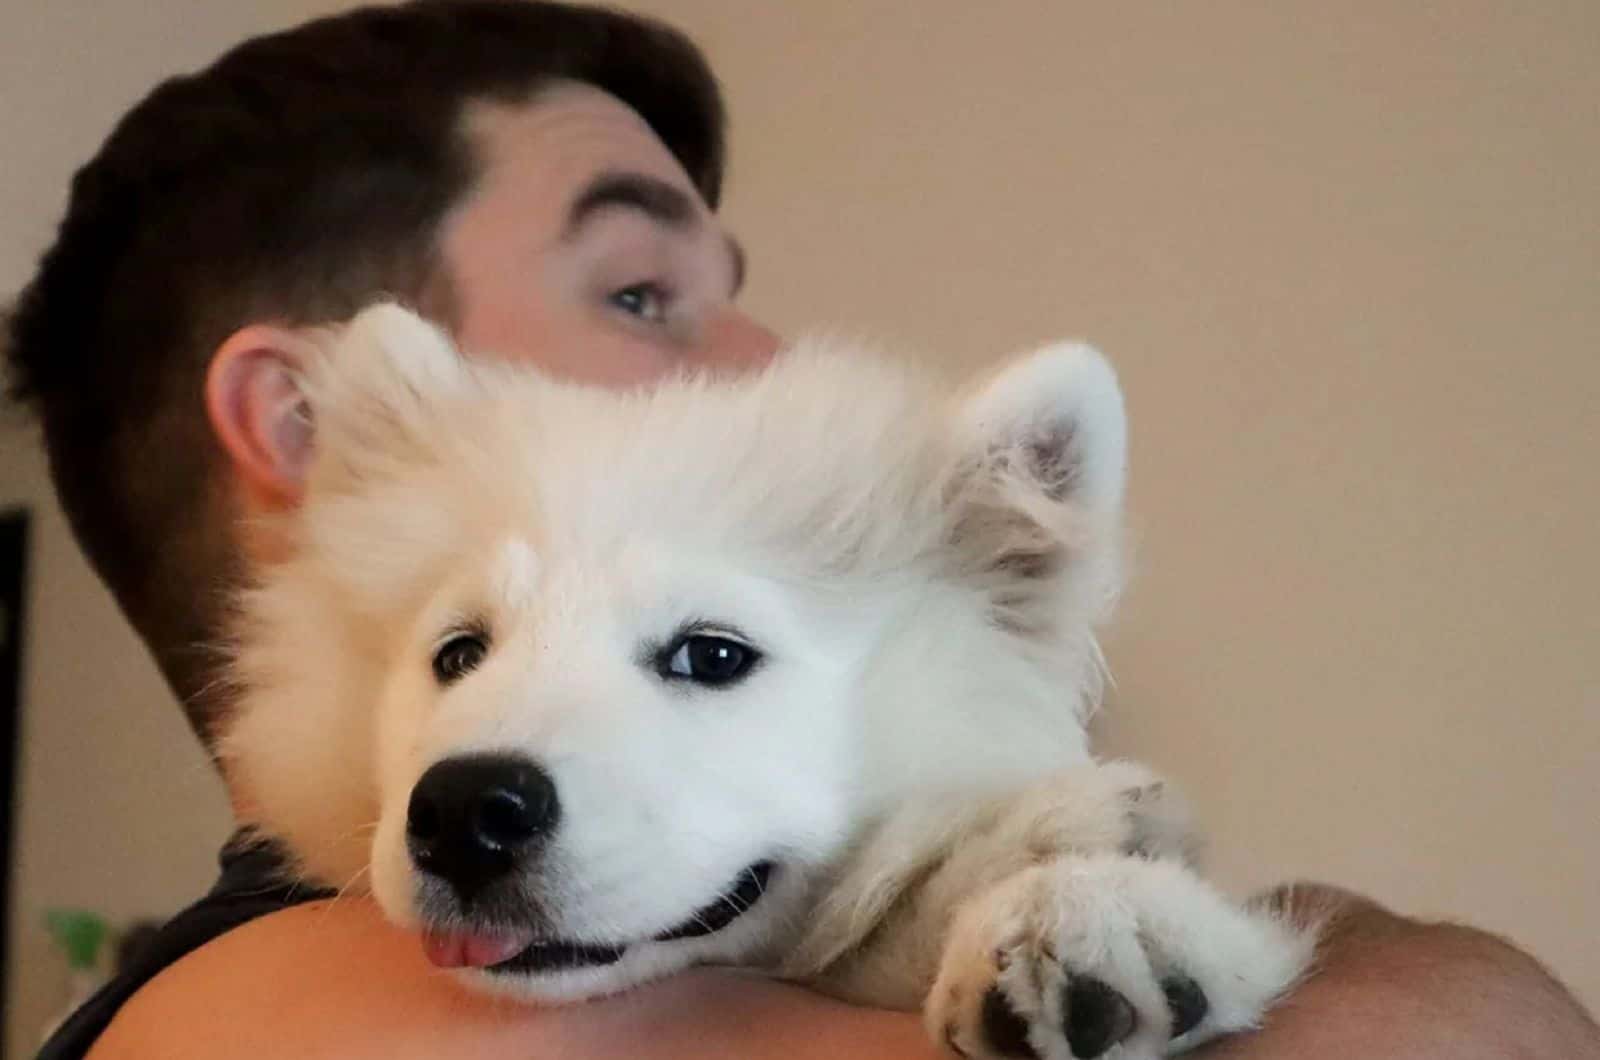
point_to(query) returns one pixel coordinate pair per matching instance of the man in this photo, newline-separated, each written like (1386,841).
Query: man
(540,179)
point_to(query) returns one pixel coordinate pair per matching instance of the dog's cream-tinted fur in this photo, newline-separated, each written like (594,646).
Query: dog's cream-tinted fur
(921,569)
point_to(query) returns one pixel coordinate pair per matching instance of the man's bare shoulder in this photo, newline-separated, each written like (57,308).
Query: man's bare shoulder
(331,979)
(1386,986)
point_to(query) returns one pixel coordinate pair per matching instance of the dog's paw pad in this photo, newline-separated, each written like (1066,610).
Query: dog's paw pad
(1004,1030)
(1097,1017)
(1186,1001)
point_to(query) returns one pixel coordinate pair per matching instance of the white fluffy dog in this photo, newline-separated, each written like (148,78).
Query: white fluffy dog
(788,671)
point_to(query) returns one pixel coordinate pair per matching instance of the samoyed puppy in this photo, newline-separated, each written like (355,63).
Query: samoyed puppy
(788,670)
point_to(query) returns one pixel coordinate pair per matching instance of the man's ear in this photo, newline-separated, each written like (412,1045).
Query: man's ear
(259,412)
(361,391)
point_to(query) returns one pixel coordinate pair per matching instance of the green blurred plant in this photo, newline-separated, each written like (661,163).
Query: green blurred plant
(78,933)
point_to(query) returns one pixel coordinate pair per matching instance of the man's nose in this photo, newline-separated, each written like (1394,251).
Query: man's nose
(734,340)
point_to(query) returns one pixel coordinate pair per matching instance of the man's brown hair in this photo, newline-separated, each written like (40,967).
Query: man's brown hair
(295,179)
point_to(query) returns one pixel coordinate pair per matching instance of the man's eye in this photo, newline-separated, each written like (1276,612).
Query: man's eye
(647,301)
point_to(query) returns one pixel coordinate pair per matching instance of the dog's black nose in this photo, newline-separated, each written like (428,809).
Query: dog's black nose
(470,817)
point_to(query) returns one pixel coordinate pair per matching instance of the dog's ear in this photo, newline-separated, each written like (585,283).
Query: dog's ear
(373,391)
(1037,498)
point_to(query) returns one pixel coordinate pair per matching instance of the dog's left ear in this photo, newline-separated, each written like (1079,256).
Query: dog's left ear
(373,390)
(1037,504)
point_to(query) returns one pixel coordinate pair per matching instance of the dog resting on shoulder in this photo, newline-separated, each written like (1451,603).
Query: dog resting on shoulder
(787,671)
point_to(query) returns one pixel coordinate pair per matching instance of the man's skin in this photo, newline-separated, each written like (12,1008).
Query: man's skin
(533,281)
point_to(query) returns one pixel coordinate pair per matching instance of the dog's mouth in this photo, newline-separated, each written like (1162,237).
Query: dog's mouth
(515,953)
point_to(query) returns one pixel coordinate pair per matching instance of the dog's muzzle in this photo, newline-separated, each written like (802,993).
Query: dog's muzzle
(512,952)
(472,822)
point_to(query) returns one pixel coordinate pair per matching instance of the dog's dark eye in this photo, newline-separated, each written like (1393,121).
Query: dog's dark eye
(459,656)
(707,659)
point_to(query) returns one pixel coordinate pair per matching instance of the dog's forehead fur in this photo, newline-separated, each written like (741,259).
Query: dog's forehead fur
(826,464)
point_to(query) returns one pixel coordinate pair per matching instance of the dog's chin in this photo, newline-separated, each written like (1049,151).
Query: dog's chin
(729,929)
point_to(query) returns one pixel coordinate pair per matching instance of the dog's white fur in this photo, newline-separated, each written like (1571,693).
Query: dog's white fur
(922,570)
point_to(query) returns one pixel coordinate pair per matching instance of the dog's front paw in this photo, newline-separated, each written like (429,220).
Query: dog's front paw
(1105,955)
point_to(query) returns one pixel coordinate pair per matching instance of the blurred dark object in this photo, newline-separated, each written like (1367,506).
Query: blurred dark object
(134,938)
(13,590)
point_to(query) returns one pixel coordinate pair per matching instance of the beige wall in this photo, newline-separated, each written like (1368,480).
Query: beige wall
(1346,258)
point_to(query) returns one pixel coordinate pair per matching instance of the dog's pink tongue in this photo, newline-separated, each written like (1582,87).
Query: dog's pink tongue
(450,950)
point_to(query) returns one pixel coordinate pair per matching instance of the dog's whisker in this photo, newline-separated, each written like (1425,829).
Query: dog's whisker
(339,894)
(359,830)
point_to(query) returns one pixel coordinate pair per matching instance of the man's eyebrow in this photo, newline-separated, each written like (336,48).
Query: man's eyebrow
(652,196)
(657,199)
